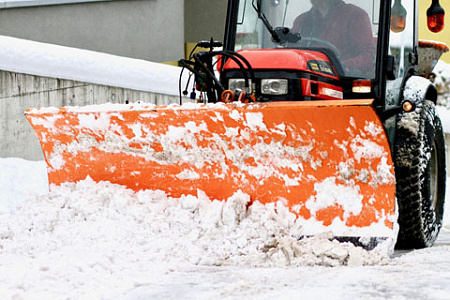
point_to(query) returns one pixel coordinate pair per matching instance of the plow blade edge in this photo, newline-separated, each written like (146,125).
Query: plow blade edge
(329,162)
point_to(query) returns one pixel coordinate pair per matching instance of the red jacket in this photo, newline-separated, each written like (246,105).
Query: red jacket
(347,27)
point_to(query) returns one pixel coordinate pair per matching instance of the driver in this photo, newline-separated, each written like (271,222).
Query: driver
(347,27)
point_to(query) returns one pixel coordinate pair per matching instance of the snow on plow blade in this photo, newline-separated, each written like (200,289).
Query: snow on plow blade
(329,162)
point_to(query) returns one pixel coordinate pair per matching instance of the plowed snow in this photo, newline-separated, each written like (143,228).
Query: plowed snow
(81,236)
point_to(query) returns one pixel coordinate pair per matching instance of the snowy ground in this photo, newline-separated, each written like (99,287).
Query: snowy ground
(100,241)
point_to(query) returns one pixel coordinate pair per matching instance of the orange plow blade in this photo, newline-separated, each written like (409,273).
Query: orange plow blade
(329,162)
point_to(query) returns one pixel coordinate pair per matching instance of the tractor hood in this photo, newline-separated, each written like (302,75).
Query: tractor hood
(287,59)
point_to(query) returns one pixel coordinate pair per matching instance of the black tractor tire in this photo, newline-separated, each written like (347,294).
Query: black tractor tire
(420,171)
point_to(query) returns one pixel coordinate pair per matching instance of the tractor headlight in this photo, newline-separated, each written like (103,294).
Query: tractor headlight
(238,84)
(274,86)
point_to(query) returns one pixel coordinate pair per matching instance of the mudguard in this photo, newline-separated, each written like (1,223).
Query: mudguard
(418,89)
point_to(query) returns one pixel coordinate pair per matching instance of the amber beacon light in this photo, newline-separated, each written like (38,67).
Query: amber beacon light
(398,17)
(435,17)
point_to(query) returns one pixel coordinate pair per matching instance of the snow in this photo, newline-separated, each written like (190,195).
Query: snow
(35,58)
(20,179)
(442,82)
(101,241)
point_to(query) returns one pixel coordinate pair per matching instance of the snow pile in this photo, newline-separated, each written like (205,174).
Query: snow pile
(442,81)
(20,179)
(88,235)
(35,58)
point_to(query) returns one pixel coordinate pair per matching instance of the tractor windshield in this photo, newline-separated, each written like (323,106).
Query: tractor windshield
(346,30)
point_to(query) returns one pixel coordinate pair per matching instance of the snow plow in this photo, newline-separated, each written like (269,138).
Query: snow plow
(337,127)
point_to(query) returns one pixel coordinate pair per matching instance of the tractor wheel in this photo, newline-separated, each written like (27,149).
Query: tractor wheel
(420,170)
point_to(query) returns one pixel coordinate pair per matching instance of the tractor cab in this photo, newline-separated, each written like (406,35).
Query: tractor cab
(310,50)
(330,42)
(345,32)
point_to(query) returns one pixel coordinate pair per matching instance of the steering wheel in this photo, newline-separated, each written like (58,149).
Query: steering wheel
(334,51)
(284,37)
(307,40)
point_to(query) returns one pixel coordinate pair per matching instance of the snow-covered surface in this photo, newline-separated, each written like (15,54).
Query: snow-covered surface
(35,58)
(101,241)
(20,179)
(444,114)
(442,82)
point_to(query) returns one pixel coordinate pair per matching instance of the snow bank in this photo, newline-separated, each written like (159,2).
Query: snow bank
(29,57)
(88,235)
(20,179)
(442,82)
(442,79)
